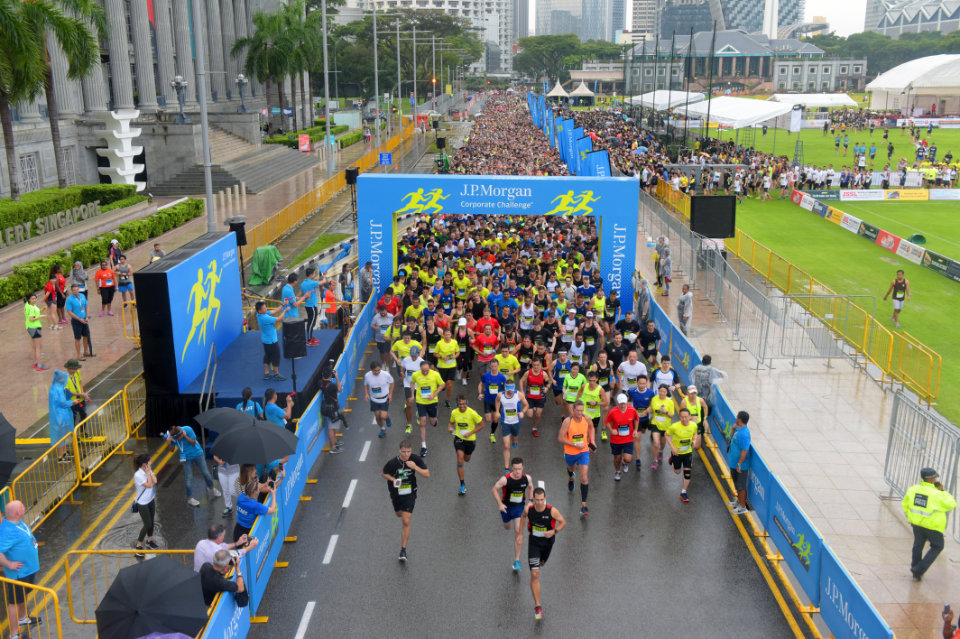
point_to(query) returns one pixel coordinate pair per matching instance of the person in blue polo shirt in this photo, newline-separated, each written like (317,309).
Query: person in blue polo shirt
(184,440)
(248,508)
(20,561)
(270,341)
(76,309)
(738,458)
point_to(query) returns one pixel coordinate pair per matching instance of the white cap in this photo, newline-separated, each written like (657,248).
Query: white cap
(114,241)
(622,399)
(462,321)
(691,388)
(589,313)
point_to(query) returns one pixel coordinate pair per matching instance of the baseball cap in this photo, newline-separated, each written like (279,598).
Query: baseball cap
(589,313)
(622,399)
(462,321)
(414,351)
(114,241)
(691,388)
(509,387)
(571,310)
(928,473)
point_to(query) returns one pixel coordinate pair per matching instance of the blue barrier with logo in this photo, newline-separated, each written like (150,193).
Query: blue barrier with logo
(380,197)
(269,530)
(799,542)
(845,609)
(721,420)
(353,350)
(227,621)
(758,490)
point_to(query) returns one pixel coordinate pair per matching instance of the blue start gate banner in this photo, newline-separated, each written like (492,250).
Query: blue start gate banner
(614,201)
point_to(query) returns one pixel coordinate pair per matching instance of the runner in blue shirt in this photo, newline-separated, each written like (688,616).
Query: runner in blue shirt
(491,385)
(640,395)
(270,341)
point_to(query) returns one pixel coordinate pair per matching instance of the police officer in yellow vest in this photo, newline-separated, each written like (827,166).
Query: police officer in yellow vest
(926,506)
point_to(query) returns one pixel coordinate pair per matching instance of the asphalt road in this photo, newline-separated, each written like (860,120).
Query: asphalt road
(643,563)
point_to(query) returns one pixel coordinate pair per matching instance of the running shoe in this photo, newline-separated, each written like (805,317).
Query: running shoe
(41,367)
(506,471)
(403,554)
(408,429)
(493,438)
(226,512)
(603,435)
(624,468)
(583,511)
(516,566)
(110,313)
(383,433)
(389,422)
(733,504)
(423,451)
(192,502)
(279,378)
(214,492)
(739,510)
(268,378)
(536,433)
(616,476)
(30,621)
(463,490)
(514,443)
(660,457)
(101,314)
(639,465)
(336,450)
(446,403)
(654,466)
(538,613)
(139,554)
(570,484)
(464,380)
(684,498)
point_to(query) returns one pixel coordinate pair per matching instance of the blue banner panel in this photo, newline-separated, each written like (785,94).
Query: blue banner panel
(205,306)
(844,608)
(352,355)
(584,147)
(227,620)
(683,356)
(722,418)
(312,436)
(796,538)
(614,201)
(758,490)
(269,530)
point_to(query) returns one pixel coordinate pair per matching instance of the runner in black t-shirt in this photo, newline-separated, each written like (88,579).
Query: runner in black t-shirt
(544,522)
(401,475)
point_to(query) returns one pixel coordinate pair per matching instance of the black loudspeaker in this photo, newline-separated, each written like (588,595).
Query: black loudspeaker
(237,224)
(352,172)
(436,123)
(294,337)
(714,216)
(441,143)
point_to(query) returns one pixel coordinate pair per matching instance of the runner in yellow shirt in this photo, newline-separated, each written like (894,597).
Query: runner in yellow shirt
(464,424)
(662,408)
(425,385)
(509,364)
(446,352)
(402,348)
(681,436)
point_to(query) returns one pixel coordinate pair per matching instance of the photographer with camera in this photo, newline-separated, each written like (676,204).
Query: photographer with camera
(205,549)
(184,440)
(926,506)
(213,578)
(330,388)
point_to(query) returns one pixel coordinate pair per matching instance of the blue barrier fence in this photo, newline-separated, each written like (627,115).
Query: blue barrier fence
(844,607)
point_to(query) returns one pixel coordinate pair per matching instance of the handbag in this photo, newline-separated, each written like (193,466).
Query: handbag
(135,507)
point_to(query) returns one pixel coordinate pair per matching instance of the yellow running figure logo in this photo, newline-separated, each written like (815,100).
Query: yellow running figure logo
(421,202)
(203,299)
(571,204)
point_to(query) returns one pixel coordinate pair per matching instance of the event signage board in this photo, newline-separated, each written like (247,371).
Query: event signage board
(269,531)
(851,223)
(871,195)
(758,490)
(906,195)
(910,251)
(943,265)
(868,231)
(833,215)
(820,209)
(944,194)
(887,240)
(227,621)
(381,197)
(796,538)
(823,194)
(844,607)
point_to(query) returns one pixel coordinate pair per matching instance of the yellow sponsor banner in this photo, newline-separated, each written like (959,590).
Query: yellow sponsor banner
(907,195)
(834,215)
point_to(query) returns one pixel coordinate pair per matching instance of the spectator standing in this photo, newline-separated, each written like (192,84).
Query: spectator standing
(56,271)
(228,474)
(206,548)
(106,281)
(157,252)
(267,321)
(79,277)
(666,270)
(60,414)
(50,300)
(21,561)
(248,508)
(738,458)
(124,279)
(184,440)
(114,253)
(145,501)
(213,579)
(704,376)
(76,307)
(331,388)
(329,314)
(366,282)
(75,392)
(309,287)
(33,318)
(685,309)
(926,506)
(272,412)
(643,301)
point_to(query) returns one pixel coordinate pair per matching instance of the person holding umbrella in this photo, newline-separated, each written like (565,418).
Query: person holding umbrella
(184,440)
(21,561)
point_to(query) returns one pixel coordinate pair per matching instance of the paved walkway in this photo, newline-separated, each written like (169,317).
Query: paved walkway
(824,431)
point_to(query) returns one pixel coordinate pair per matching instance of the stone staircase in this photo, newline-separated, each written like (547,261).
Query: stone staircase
(236,161)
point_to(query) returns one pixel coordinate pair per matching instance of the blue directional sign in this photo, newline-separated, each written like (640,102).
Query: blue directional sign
(386,159)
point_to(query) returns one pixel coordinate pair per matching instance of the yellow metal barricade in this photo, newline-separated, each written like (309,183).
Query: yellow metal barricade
(99,436)
(35,602)
(131,323)
(90,573)
(48,482)
(135,395)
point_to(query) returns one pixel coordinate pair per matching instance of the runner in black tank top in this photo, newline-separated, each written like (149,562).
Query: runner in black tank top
(433,337)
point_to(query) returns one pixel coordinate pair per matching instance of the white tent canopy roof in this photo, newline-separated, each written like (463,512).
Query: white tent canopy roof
(736,113)
(815,99)
(661,100)
(557,91)
(581,91)
(935,74)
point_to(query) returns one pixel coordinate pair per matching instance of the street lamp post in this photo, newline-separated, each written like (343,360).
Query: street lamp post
(376,76)
(179,85)
(326,91)
(241,82)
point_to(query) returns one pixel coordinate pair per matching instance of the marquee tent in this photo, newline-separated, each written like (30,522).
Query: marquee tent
(662,100)
(812,100)
(557,91)
(918,84)
(736,113)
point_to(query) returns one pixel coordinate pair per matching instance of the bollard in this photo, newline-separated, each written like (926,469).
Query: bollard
(236,199)
(243,194)
(218,202)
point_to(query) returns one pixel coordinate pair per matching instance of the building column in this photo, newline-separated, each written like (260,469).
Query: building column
(166,59)
(119,54)
(231,64)
(215,68)
(181,33)
(143,57)
(30,111)
(68,102)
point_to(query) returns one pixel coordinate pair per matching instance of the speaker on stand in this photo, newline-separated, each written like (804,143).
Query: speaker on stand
(237,224)
(351,175)
(294,347)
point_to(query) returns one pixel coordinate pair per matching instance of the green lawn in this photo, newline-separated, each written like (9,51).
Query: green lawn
(852,265)
(322,242)
(818,148)
(936,221)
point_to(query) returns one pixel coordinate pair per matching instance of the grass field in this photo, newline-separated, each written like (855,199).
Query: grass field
(818,148)
(854,266)
(936,221)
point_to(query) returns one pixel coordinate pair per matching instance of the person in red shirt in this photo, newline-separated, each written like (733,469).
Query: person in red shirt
(487,320)
(533,385)
(390,301)
(621,422)
(57,271)
(50,299)
(486,344)
(106,282)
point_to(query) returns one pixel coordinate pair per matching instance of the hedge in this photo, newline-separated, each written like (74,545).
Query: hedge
(33,275)
(316,134)
(350,138)
(124,203)
(54,199)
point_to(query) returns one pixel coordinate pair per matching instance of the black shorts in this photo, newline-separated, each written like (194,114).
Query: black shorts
(80,330)
(106,294)
(35,333)
(448,374)
(621,449)
(643,425)
(685,461)
(536,402)
(427,410)
(557,392)
(17,593)
(383,347)
(403,503)
(467,446)
(489,407)
(538,552)
(61,300)
(740,478)
(271,354)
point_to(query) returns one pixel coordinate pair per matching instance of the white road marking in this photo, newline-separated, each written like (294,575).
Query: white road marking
(366,449)
(305,620)
(328,556)
(350,489)
(540,484)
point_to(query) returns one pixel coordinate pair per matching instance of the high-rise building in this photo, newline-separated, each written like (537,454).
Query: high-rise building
(619,16)
(646,17)
(597,23)
(748,14)
(678,16)
(558,17)
(521,19)
(895,17)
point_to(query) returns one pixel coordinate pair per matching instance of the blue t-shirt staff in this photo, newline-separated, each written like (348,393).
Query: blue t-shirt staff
(20,560)
(267,320)
(738,458)
(184,441)
(76,309)
(248,508)
(309,289)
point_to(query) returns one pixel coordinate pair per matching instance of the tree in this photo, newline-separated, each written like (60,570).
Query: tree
(544,55)
(21,76)
(267,51)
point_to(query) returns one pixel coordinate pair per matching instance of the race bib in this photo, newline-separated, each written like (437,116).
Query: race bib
(534,390)
(461,291)
(108,282)
(430,348)
(623,431)
(493,389)
(631,380)
(409,373)
(516,497)
(463,429)
(488,350)
(510,412)
(577,439)
(377,390)
(591,341)
(603,381)
(538,531)
(404,489)
(463,349)
(425,392)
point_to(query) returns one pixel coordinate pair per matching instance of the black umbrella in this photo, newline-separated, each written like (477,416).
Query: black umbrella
(223,419)
(159,595)
(259,443)
(8,450)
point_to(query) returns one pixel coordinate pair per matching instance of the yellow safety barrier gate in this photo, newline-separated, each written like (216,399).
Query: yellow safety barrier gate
(899,356)
(32,601)
(90,573)
(270,230)
(69,463)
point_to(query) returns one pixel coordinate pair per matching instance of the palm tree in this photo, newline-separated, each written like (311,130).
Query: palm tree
(303,44)
(21,76)
(79,44)
(267,51)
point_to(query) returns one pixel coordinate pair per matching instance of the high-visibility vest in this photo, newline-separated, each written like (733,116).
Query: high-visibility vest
(927,506)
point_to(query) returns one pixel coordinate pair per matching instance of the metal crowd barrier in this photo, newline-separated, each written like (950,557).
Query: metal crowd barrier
(90,573)
(131,324)
(99,436)
(921,438)
(32,601)
(46,483)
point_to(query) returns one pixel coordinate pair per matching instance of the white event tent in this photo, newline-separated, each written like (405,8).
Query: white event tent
(813,100)
(661,100)
(557,91)
(918,84)
(736,113)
